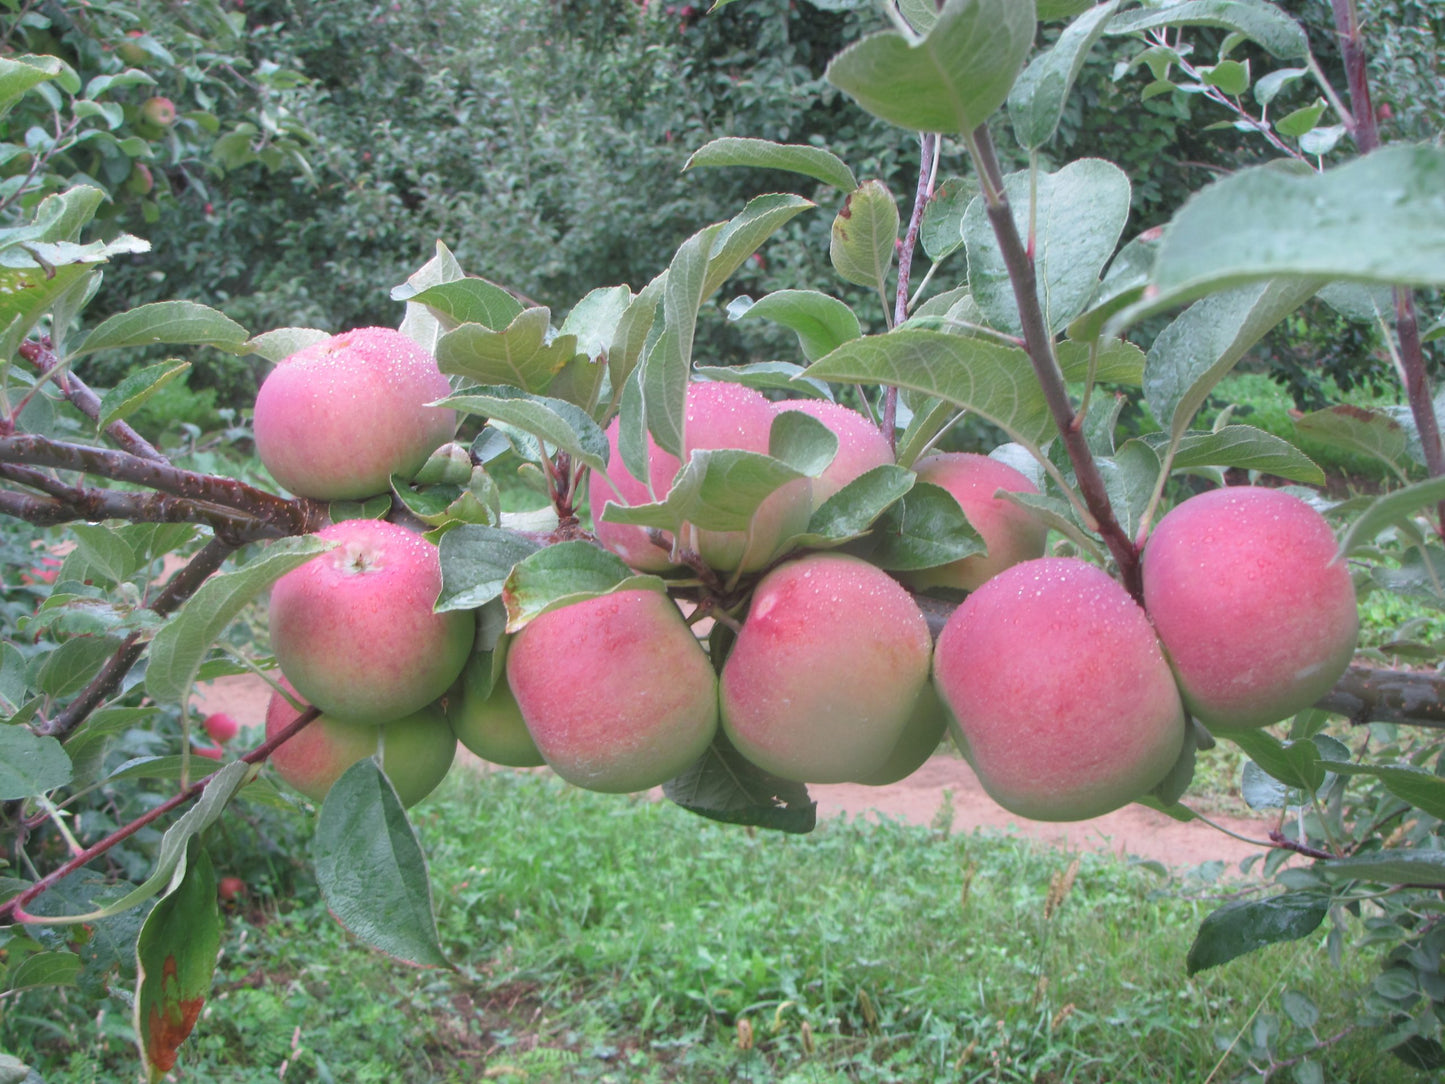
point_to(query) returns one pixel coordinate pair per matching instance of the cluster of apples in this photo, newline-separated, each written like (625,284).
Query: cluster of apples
(1068,697)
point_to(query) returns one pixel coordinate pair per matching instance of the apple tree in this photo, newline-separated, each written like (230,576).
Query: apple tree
(748,579)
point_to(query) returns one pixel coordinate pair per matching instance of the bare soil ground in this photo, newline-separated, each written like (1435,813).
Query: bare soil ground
(944,785)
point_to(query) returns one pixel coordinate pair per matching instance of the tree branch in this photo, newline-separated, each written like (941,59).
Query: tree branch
(928,155)
(87,402)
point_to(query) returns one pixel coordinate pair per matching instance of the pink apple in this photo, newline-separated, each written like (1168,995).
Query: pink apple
(861,444)
(827,672)
(616,691)
(1252,603)
(1061,697)
(353,629)
(230,889)
(336,420)
(1010,533)
(159,111)
(221,726)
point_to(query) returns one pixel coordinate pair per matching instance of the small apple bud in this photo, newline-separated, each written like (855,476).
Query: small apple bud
(450,464)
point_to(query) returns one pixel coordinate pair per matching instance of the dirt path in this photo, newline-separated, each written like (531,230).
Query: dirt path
(918,799)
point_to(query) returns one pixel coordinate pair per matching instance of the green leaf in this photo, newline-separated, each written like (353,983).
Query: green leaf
(1260,22)
(1379,218)
(723,786)
(802,442)
(1388,867)
(813,162)
(1370,432)
(56,968)
(105,551)
(1129,478)
(1419,576)
(865,236)
(924,529)
(476,561)
(421,324)
(1294,763)
(568,572)
(1302,120)
(632,331)
(1268,86)
(70,667)
(952,79)
(137,387)
(558,423)
(176,322)
(1080,215)
(1240,928)
(996,382)
(594,319)
(1230,76)
(30,764)
(1036,103)
(371,869)
(1203,343)
(280,344)
(182,643)
(1118,362)
(716,490)
(19,74)
(851,511)
(941,230)
(1123,285)
(664,368)
(175,960)
(524,354)
(469,301)
(742,234)
(780,375)
(1245,447)
(822,323)
(1421,789)
(1389,509)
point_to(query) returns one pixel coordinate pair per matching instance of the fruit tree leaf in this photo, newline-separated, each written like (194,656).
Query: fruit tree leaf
(561,424)
(568,572)
(371,869)
(1240,928)
(476,561)
(924,529)
(137,387)
(1371,432)
(1388,510)
(1260,22)
(19,74)
(470,301)
(822,323)
(813,162)
(1118,362)
(1294,763)
(941,230)
(1204,342)
(780,375)
(664,368)
(1419,576)
(69,667)
(996,382)
(1241,446)
(175,960)
(594,319)
(851,511)
(1388,867)
(524,354)
(717,490)
(952,79)
(280,344)
(723,786)
(802,442)
(421,324)
(742,234)
(865,236)
(630,336)
(1079,216)
(1423,790)
(1036,103)
(56,968)
(1378,218)
(30,763)
(181,644)
(177,322)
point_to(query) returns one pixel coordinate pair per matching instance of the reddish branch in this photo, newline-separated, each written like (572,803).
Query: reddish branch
(13,910)
(1039,343)
(928,155)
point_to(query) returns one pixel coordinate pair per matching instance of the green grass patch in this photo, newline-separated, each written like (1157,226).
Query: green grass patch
(601,938)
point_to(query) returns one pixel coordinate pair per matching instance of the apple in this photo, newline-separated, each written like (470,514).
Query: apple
(1060,695)
(1010,533)
(141,181)
(158,111)
(132,51)
(230,889)
(827,672)
(616,691)
(861,444)
(723,415)
(920,739)
(221,727)
(354,631)
(416,750)
(617,485)
(1252,603)
(210,752)
(488,721)
(336,420)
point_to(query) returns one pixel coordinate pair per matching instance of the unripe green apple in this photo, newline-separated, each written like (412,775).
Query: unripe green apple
(616,691)
(141,181)
(617,485)
(487,719)
(861,444)
(724,415)
(827,671)
(132,51)
(416,750)
(1060,694)
(158,111)
(336,420)
(1252,603)
(1010,533)
(353,629)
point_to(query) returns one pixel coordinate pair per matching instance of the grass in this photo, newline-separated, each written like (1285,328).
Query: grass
(601,938)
